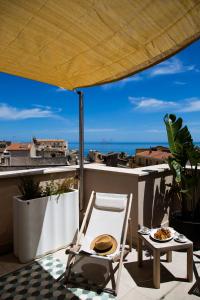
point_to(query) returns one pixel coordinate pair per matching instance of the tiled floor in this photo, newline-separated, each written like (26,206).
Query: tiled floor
(136,283)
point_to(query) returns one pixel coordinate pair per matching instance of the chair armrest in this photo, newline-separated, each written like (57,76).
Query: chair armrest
(72,249)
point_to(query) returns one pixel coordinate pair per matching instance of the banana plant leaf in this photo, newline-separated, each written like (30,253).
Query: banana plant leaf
(184,161)
(176,168)
(179,138)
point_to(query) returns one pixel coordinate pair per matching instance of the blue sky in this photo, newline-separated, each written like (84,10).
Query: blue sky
(129,110)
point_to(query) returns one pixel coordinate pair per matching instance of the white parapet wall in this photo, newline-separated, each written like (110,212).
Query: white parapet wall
(9,181)
(148,184)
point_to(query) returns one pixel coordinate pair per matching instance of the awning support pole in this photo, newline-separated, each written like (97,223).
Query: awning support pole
(81,146)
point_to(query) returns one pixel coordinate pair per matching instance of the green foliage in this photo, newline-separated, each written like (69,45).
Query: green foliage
(57,188)
(183,163)
(31,189)
(66,185)
(122,155)
(49,189)
(179,138)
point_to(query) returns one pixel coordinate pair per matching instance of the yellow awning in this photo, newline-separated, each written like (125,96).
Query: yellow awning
(78,43)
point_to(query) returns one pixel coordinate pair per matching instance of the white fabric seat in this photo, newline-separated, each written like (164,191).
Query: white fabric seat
(106,214)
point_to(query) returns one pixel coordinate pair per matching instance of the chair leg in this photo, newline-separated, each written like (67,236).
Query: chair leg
(67,272)
(123,244)
(112,277)
(131,234)
(119,274)
(61,276)
(69,267)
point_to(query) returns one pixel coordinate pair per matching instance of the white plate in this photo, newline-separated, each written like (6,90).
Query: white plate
(153,231)
(144,232)
(180,240)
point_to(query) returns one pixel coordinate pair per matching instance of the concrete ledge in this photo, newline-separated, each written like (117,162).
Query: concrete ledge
(40,171)
(141,171)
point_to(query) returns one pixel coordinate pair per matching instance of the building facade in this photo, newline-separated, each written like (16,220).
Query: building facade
(150,157)
(49,148)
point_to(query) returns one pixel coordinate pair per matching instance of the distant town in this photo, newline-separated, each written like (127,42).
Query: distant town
(56,152)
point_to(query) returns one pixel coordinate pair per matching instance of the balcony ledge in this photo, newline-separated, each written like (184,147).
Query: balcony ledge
(40,171)
(141,171)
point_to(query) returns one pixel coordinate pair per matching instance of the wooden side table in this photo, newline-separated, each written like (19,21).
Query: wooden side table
(168,247)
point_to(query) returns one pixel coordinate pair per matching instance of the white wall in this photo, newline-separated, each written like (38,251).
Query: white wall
(9,187)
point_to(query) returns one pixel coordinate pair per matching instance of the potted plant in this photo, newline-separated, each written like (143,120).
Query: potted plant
(45,217)
(184,166)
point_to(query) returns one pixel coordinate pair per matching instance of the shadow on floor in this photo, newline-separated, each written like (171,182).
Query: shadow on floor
(143,276)
(195,289)
(91,273)
(9,263)
(33,281)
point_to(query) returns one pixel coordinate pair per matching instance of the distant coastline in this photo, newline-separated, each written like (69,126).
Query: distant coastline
(105,147)
(128,147)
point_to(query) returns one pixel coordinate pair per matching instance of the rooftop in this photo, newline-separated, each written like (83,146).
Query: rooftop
(19,147)
(154,154)
(136,283)
(91,43)
(49,140)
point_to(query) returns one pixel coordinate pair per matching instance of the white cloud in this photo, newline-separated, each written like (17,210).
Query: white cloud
(87,130)
(13,113)
(42,106)
(122,83)
(154,131)
(100,130)
(193,123)
(131,79)
(150,103)
(186,105)
(179,82)
(61,89)
(171,66)
(46,107)
(190,105)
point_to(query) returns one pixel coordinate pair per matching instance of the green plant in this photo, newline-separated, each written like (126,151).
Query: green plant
(49,189)
(29,188)
(183,164)
(66,185)
(122,155)
(57,188)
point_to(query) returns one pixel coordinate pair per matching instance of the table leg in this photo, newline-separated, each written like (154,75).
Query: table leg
(190,264)
(169,256)
(139,252)
(156,268)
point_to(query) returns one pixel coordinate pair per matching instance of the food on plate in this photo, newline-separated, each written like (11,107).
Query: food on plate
(162,234)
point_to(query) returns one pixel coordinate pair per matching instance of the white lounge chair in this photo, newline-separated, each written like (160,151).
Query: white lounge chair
(106,214)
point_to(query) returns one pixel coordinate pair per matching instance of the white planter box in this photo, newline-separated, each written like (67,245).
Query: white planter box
(44,224)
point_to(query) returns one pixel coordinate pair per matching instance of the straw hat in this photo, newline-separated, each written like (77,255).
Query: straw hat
(104,244)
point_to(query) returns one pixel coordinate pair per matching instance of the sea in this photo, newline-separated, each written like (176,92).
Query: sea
(128,147)
(106,147)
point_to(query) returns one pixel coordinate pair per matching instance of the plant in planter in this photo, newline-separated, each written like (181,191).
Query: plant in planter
(58,188)
(46,217)
(184,166)
(29,188)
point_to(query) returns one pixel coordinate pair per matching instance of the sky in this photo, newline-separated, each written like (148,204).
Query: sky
(130,110)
